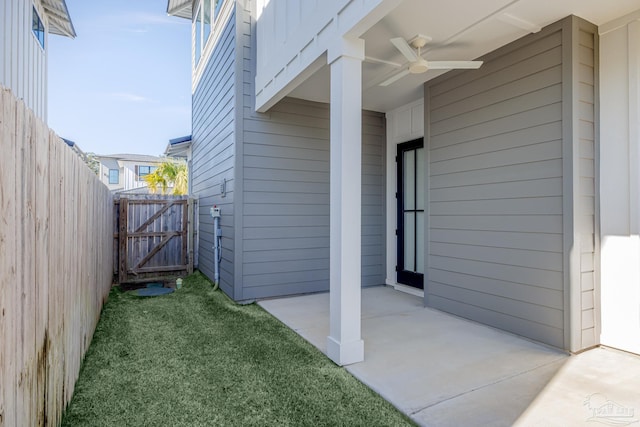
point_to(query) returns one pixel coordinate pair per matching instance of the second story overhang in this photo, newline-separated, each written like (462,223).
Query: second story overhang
(294,38)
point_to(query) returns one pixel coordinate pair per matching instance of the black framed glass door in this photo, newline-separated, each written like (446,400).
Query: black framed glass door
(411,216)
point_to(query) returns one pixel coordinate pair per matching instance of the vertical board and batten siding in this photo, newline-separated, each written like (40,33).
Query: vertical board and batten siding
(214,151)
(128,177)
(23,63)
(55,273)
(285,198)
(496,153)
(618,172)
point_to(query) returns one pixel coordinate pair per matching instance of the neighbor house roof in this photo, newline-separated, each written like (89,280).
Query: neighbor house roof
(180,140)
(109,163)
(178,147)
(59,18)
(180,8)
(131,157)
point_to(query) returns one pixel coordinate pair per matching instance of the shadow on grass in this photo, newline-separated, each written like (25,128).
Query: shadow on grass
(195,358)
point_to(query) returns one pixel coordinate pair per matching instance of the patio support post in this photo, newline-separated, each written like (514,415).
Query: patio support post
(344,343)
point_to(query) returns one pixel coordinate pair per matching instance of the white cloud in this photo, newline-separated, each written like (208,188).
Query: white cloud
(153,18)
(130,97)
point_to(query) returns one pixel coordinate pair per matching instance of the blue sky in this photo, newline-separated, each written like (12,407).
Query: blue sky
(124,84)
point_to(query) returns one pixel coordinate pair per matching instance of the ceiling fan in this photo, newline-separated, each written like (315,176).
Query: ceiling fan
(417,64)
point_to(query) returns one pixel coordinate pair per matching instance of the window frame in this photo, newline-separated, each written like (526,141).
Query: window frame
(202,27)
(37,27)
(140,176)
(206,26)
(197,29)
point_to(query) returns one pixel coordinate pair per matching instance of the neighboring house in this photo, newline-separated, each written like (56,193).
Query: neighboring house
(25,26)
(126,172)
(180,148)
(514,200)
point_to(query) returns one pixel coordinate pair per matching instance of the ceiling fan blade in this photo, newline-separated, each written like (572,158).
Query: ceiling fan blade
(451,65)
(373,60)
(404,48)
(394,78)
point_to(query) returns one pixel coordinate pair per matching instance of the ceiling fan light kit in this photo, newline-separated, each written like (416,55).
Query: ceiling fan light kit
(419,66)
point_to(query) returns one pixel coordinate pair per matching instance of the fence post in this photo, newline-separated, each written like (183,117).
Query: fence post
(122,238)
(190,235)
(115,243)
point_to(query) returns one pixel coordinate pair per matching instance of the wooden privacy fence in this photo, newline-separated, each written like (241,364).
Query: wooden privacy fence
(55,266)
(153,237)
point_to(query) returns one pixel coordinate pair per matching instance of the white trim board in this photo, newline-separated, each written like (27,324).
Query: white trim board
(404,124)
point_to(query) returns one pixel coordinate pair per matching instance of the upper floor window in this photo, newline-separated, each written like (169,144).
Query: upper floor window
(206,12)
(144,170)
(114,176)
(206,21)
(197,23)
(37,27)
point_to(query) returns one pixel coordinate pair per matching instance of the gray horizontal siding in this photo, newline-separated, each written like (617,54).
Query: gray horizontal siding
(496,190)
(373,199)
(285,191)
(214,155)
(286,200)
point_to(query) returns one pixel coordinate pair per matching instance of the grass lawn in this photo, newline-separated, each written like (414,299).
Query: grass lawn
(195,358)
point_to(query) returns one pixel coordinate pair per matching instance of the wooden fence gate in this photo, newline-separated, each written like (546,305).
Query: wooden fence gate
(153,237)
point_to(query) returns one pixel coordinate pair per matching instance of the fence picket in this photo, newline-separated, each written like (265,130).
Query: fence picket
(8,257)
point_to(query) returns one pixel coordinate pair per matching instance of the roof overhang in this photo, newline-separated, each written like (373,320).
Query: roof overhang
(459,29)
(59,18)
(109,163)
(178,147)
(180,8)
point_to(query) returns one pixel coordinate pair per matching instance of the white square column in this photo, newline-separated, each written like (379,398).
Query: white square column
(344,343)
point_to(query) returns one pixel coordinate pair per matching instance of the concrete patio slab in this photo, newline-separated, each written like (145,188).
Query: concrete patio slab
(597,387)
(442,370)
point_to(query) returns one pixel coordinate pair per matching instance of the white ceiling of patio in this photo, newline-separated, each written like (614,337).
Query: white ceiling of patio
(461,30)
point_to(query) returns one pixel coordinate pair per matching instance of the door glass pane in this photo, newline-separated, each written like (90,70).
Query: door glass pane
(409,241)
(420,242)
(409,179)
(420,182)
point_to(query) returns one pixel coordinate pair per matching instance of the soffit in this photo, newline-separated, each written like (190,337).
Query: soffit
(58,18)
(180,8)
(460,29)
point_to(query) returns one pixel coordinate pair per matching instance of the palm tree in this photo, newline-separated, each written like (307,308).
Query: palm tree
(170,172)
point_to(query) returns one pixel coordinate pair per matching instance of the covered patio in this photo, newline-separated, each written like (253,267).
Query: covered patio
(444,370)
(499,216)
